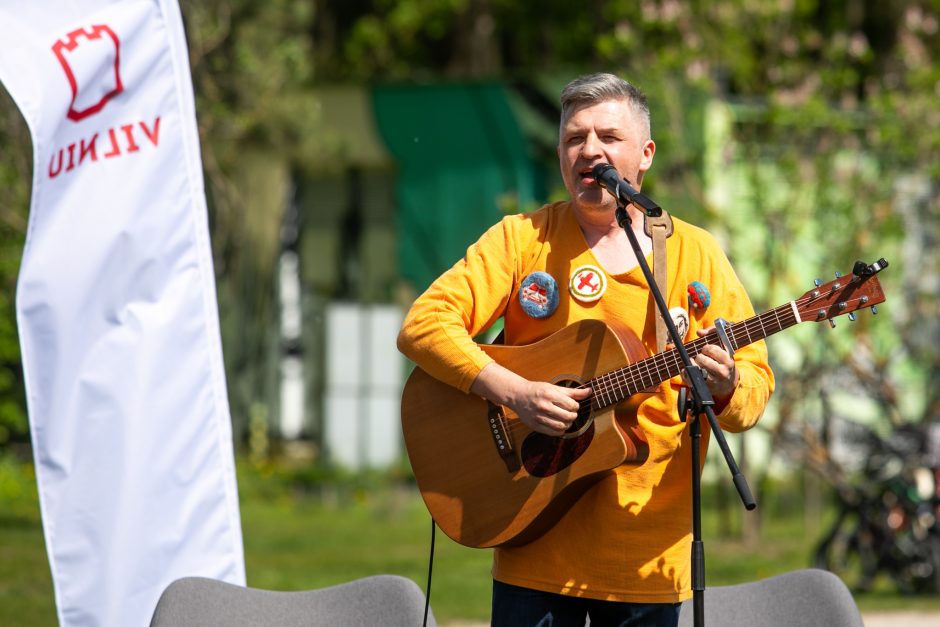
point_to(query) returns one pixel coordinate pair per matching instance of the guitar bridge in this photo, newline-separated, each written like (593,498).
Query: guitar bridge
(499,429)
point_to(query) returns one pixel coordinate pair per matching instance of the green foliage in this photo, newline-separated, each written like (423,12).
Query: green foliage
(13,422)
(396,39)
(250,62)
(18,494)
(15,170)
(252,68)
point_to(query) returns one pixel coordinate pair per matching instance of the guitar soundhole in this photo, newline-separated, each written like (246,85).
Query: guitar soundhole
(545,455)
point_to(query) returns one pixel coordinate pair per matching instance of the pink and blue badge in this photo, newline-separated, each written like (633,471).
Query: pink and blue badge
(699,298)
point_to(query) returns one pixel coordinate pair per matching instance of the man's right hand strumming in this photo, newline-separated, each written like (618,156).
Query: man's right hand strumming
(543,407)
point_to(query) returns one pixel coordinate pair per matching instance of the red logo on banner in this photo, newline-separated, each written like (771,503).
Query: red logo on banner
(93,83)
(91,60)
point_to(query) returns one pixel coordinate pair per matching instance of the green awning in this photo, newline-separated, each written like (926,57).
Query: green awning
(463,163)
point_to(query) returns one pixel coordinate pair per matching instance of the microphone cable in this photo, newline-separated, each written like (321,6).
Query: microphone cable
(427,589)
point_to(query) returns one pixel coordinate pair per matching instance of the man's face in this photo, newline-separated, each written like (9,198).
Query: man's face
(606,132)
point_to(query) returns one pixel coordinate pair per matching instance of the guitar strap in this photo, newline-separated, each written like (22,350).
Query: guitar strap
(658,229)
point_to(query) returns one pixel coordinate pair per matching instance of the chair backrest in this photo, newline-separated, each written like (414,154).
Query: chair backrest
(379,600)
(802,598)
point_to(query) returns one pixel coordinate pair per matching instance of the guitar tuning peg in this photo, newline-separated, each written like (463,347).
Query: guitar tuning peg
(852,316)
(817,282)
(832,323)
(874,310)
(838,275)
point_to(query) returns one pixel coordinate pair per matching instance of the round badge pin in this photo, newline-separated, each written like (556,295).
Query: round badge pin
(680,318)
(538,295)
(699,296)
(587,283)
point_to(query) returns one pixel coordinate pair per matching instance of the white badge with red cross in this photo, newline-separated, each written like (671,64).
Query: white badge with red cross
(587,283)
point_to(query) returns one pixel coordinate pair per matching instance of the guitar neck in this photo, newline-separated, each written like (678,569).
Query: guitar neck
(618,385)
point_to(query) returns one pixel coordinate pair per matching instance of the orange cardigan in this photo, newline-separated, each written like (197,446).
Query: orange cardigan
(628,538)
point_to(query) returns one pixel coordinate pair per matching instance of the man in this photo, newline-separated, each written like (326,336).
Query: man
(621,553)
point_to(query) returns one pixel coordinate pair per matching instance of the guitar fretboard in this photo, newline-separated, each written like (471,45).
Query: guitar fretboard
(618,385)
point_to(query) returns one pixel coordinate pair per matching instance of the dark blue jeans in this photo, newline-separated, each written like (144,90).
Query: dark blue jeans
(521,607)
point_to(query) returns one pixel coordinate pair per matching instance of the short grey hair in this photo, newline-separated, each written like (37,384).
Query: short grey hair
(602,87)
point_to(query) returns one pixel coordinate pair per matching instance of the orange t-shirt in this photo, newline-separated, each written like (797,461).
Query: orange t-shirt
(628,538)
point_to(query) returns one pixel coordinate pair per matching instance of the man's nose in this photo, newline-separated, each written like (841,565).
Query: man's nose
(591,147)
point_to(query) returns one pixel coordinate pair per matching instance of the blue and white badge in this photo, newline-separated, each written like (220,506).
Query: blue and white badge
(538,295)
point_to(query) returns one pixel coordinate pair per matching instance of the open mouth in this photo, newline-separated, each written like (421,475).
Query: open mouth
(587,176)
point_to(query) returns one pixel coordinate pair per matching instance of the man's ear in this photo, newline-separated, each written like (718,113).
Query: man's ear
(649,149)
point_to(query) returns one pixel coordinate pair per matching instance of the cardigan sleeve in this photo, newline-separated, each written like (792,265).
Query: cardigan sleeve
(756,382)
(437,333)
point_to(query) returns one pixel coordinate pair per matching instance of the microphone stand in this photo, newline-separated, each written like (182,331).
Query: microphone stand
(700,402)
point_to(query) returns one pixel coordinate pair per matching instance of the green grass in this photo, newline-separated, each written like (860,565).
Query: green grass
(295,544)
(25,583)
(300,535)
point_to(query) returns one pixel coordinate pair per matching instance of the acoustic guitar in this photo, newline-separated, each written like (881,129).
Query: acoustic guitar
(488,480)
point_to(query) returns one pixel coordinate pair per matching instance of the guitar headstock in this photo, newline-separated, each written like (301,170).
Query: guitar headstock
(843,295)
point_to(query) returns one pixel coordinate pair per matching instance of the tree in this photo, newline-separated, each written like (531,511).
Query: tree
(251,67)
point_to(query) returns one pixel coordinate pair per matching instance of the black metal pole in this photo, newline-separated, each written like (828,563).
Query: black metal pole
(698,547)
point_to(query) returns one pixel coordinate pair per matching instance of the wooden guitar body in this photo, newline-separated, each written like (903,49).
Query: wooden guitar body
(481,498)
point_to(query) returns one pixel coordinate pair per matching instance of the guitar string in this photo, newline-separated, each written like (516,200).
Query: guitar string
(634,381)
(660,366)
(610,385)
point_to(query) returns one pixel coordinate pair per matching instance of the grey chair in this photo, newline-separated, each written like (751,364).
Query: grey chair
(802,598)
(379,600)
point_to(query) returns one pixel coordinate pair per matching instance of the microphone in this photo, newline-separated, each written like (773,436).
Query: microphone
(607,177)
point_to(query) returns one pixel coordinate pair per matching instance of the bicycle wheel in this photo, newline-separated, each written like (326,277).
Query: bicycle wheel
(924,573)
(848,552)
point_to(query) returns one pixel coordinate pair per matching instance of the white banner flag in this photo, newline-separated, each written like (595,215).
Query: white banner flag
(117,310)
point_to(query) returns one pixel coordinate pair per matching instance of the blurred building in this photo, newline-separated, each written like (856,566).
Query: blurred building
(410,175)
